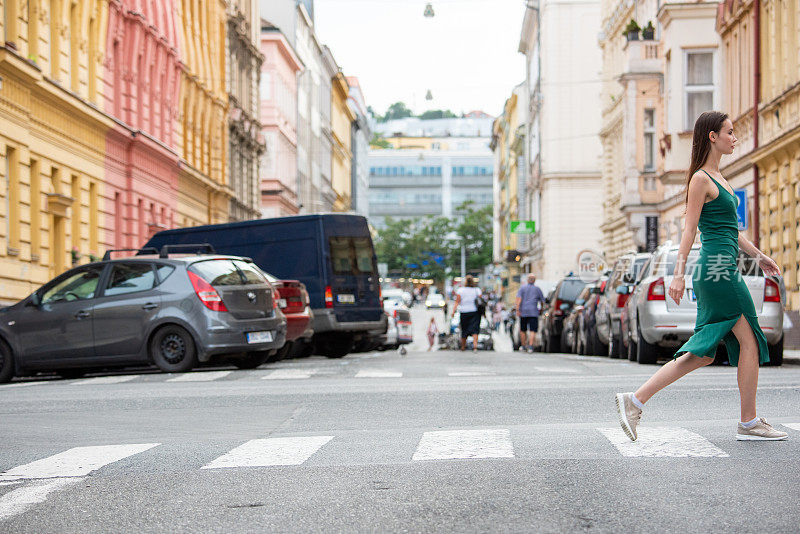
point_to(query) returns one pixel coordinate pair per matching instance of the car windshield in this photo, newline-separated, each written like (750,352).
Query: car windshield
(570,289)
(352,255)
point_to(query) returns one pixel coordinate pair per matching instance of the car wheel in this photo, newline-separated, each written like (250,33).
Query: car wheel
(631,350)
(172,350)
(646,353)
(775,354)
(284,351)
(6,362)
(251,360)
(613,346)
(554,344)
(336,346)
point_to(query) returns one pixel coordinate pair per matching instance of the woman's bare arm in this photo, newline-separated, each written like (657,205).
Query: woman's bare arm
(698,189)
(748,247)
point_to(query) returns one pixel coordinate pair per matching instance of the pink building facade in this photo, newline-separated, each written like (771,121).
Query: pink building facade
(278,93)
(142,82)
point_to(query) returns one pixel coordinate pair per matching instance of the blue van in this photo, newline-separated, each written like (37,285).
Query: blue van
(332,254)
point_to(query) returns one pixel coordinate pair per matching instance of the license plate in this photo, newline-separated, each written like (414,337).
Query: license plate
(281,303)
(692,296)
(259,337)
(346,298)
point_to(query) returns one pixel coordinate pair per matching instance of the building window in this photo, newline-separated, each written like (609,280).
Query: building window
(699,85)
(265,89)
(649,139)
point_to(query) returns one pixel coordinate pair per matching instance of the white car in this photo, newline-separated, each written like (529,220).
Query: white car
(434,300)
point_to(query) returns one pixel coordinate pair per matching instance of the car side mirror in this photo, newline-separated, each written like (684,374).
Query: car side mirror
(622,289)
(34,300)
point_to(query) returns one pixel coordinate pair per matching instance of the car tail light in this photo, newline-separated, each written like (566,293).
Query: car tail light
(656,290)
(207,294)
(395,314)
(276,296)
(772,292)
(621,300)
(603,286)
(557,307)
(328,297)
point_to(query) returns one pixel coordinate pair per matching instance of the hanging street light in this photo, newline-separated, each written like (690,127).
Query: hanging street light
(429,10)
(429,95)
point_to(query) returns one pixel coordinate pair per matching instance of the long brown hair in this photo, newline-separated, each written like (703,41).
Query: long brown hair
(707,122)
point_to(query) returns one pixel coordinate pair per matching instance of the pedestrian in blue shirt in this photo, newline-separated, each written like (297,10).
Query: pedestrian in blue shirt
(529,299)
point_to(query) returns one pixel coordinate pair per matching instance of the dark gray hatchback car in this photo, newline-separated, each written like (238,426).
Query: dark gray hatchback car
(172,311)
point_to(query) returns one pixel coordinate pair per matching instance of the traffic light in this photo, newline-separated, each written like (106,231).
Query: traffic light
(513,256)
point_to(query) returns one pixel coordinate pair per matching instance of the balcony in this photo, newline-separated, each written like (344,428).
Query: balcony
(642,60)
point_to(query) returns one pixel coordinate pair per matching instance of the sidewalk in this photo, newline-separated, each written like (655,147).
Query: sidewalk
(791,356)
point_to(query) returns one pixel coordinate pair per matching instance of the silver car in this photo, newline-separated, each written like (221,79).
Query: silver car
(656,326)
(609,306)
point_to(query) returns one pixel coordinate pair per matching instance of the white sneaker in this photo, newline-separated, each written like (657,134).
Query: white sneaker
(629,414)
(761,431)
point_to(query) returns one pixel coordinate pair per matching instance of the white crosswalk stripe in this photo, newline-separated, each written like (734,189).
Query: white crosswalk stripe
(21,384)
(793,426)
(469,373)
(462,444)
(105,380)
(557,369)
(200,377)
(283,374)
(378,373)
(270,452)
(75,462)
(19,500)
(672,442)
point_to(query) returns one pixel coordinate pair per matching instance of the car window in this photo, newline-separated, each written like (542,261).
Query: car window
(81,285)
(351,255)
(363,249)
(217,272)
(164,271)
(130,278)
(644,271)
(570,288)
(672,258)
(250,273)
(637,266)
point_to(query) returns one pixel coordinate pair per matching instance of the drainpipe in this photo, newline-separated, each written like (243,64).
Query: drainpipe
(756,99)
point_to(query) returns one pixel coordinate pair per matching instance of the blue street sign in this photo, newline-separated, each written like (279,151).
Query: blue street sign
(741,208)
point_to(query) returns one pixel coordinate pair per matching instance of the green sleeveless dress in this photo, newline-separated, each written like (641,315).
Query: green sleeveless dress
(722,295)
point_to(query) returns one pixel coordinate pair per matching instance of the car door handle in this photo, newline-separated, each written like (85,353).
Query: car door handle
(82,314)
(150,306)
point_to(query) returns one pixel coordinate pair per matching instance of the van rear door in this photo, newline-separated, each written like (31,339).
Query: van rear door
(354,283)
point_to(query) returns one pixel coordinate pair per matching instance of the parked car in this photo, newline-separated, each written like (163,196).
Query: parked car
(610,305)
(172,310)
(587,328)
(332,254)
(574,335)
(657,326)
(294,303)
(434,300)
(559,304)
(399,331)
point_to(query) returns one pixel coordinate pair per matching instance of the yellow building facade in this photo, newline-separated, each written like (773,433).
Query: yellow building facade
(202,130)
(342,118)
(52,140)
(508,147)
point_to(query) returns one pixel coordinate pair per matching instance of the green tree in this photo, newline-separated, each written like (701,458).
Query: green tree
(378,141)
(398,110)
(438,114)
(416,248)
(475,230)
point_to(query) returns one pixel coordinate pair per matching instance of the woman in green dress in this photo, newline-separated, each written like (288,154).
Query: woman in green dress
(725,309)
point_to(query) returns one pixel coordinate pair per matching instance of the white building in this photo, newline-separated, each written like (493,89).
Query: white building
(361,135)
(559,40)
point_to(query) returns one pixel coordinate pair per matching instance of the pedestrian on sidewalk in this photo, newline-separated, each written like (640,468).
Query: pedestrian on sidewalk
(497,316)
(432,332)
(529,299)
(725,309)
(468,312)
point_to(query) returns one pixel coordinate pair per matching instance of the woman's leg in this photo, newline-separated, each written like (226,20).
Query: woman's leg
(475,346)
(747,371)
(669,373)
(464,343)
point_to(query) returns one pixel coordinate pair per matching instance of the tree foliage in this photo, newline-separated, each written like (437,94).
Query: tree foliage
(438,114)
(431,247)
(399,110)
(378,141)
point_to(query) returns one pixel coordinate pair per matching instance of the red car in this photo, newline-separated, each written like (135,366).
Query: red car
(294,303)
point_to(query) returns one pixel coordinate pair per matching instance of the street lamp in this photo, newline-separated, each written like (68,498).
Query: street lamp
(429,10)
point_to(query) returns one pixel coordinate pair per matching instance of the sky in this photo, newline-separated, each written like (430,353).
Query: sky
(466,55)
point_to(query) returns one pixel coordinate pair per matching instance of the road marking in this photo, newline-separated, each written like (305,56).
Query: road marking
(75,462)
(200,377)
(21,384)
(271,451)
(672,442)
(377,373)
(19,500)
(283,374)
(793,426)
(469,373)
(557,369)
(459,444)
(104,380)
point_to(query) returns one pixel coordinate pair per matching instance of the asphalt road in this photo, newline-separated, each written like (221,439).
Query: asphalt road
(380,442)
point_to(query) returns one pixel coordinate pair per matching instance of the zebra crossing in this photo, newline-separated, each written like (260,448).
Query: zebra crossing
(32,483)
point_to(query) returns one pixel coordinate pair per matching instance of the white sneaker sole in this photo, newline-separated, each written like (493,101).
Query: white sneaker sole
(747,437)
(623,420)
